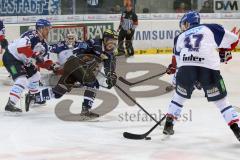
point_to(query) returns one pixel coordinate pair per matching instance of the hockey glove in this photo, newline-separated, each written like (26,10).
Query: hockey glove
(173,66)
(225,56)
(56,68)
(38,56)
(171,69)
(4,43)
(111,79)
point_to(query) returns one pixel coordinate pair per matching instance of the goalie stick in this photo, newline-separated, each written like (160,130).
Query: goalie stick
(143,80)
(135,136)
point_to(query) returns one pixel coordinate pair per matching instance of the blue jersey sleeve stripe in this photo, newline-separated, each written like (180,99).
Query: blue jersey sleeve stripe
(218,32)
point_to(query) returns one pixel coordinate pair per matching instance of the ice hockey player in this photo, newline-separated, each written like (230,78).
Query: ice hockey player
(64,49)
(199,60)
(3,40)
(173,68)
(82,67)
(18,60)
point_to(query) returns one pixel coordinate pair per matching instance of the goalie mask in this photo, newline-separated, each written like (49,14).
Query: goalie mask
(70,39)
(110,40)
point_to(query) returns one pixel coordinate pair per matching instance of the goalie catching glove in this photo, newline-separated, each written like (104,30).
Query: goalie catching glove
(111,79)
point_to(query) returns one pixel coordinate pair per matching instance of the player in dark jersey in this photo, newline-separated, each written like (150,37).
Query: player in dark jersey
(82,67)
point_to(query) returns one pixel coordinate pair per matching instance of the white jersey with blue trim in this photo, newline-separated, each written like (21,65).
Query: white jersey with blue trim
(24,47)
(198,46)
(63,50)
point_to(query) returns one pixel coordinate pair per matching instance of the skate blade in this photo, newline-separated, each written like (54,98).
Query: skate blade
(86,118)
(12,114)
(35,105)
(165,137)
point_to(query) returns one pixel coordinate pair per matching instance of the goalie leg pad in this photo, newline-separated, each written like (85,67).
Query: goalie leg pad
(44,94)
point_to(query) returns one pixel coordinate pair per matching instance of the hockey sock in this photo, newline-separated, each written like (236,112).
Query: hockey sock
(33,85)
(17,89)
(88,100)
(228,112)
(175,106)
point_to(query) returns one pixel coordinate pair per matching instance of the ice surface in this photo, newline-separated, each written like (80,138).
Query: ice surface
(40,135)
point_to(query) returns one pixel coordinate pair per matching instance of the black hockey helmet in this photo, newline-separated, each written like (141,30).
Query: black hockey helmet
(110,33)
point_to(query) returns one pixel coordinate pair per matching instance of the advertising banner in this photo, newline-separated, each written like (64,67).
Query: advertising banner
(82,31)
(228,6)
(29,7)
(155,34)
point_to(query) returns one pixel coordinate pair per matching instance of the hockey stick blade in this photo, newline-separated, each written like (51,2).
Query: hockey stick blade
(125,81)
(133,136)
(143,80)
(141,136)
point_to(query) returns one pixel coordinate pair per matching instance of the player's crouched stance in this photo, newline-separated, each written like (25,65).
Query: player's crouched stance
(18,58)
(199,60)
(82,67)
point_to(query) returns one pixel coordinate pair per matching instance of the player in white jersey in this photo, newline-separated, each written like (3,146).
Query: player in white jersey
(18,58)
(199,60)
(173,67)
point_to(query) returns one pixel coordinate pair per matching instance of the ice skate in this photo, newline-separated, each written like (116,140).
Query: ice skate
(86,114)
(236,130)
(11,109)
(168,128)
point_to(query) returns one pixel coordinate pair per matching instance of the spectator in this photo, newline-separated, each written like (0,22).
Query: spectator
(117,9)
(94,6)
(145,10)
(181,8)
(206,8)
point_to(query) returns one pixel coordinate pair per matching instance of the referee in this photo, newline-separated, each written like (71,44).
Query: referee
(128,23)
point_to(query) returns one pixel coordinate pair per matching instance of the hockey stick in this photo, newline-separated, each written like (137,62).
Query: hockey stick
(134,136)
(133,83)
(144,135)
